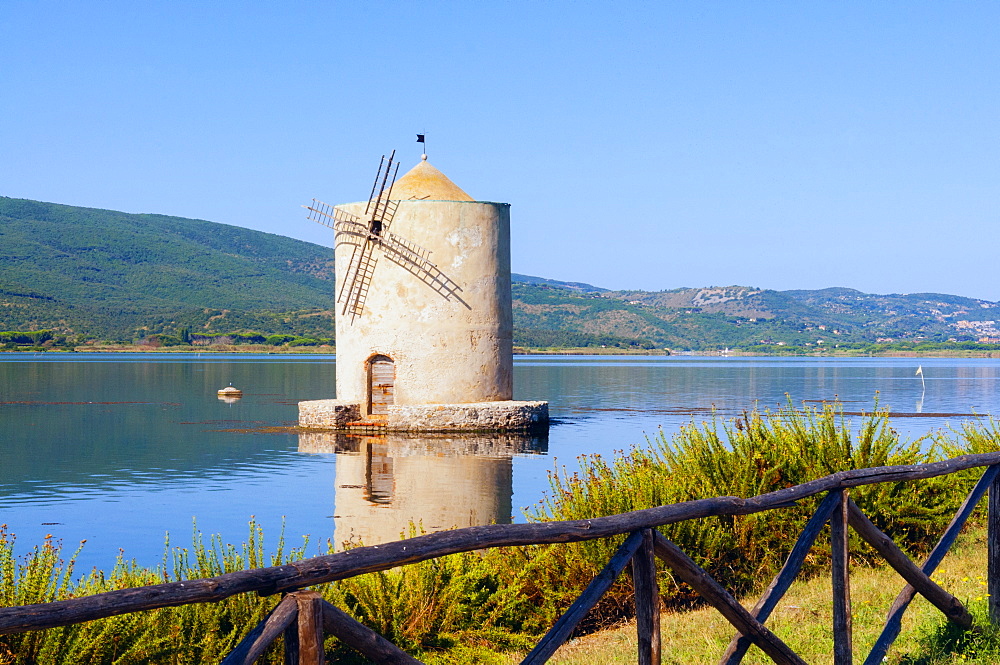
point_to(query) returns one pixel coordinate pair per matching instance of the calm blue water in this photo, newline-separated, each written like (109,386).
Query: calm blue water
(120,449)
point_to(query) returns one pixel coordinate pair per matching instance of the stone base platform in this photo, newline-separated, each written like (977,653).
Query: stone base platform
(332,414)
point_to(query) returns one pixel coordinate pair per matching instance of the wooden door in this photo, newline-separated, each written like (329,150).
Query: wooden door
(382,378)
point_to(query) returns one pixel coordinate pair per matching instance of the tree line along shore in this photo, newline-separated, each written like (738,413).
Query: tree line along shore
(36,341)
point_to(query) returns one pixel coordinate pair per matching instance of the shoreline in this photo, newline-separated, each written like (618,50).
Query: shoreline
(846,353)
(256,349)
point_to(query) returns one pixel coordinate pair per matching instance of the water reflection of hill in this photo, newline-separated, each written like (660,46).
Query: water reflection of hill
(437,482)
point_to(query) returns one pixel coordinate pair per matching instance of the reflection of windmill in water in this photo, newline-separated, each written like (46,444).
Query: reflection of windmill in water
(370,232)
(385,484)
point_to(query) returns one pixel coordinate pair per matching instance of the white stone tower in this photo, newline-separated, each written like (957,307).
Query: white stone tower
(424,322)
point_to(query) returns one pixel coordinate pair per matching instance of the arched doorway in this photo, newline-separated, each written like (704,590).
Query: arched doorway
(381,385)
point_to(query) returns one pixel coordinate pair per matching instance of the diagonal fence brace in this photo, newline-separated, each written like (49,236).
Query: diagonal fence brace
(951,606)
(563,628)
(264,633)
(783,580)
(687,570)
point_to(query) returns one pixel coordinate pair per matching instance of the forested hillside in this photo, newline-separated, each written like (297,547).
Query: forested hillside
(113,275)
(85,273)
(757,319)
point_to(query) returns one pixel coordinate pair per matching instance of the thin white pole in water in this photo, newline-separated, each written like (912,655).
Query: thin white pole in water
(923,389)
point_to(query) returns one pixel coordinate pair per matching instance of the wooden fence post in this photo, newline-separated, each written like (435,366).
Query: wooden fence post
(783,580)
(687,570)
(993,551)
(310,628)
(647,601)
(840,563)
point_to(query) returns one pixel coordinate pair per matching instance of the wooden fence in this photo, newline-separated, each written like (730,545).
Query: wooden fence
(303,617)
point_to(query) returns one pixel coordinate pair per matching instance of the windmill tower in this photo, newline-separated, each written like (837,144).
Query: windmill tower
(424,322)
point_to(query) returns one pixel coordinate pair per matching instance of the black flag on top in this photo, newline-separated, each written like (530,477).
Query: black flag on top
(420,138)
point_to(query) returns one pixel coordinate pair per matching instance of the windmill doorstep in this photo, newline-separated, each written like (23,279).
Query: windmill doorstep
(424,321)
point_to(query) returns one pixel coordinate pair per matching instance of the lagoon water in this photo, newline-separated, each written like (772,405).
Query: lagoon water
(121,449)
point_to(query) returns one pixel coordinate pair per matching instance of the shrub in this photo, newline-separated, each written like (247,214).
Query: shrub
(753,454)
(33,337)
(187,634)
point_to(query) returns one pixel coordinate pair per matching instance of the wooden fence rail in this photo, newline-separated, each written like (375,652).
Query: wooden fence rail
(303,617)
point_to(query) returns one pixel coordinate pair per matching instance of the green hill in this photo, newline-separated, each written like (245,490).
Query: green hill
(113,275)
(757,319)
(101,274)
(541,281)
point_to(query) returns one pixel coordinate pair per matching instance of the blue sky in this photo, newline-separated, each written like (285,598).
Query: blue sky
(641,145)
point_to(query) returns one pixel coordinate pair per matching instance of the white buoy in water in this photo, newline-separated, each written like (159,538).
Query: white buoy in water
(229,391)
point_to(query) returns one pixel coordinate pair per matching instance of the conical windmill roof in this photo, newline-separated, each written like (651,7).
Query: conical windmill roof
(424,181)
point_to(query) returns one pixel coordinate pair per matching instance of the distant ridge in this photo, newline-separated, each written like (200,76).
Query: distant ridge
(572,286)
(757,319)
(119,276)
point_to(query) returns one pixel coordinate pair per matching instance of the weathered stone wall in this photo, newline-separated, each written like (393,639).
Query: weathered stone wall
(328,413)
(507,415)
(477,416)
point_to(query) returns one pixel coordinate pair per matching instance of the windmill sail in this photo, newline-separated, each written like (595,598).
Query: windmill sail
(370,231)
(414,258)
(322,213)
(378,210)
(359,274)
